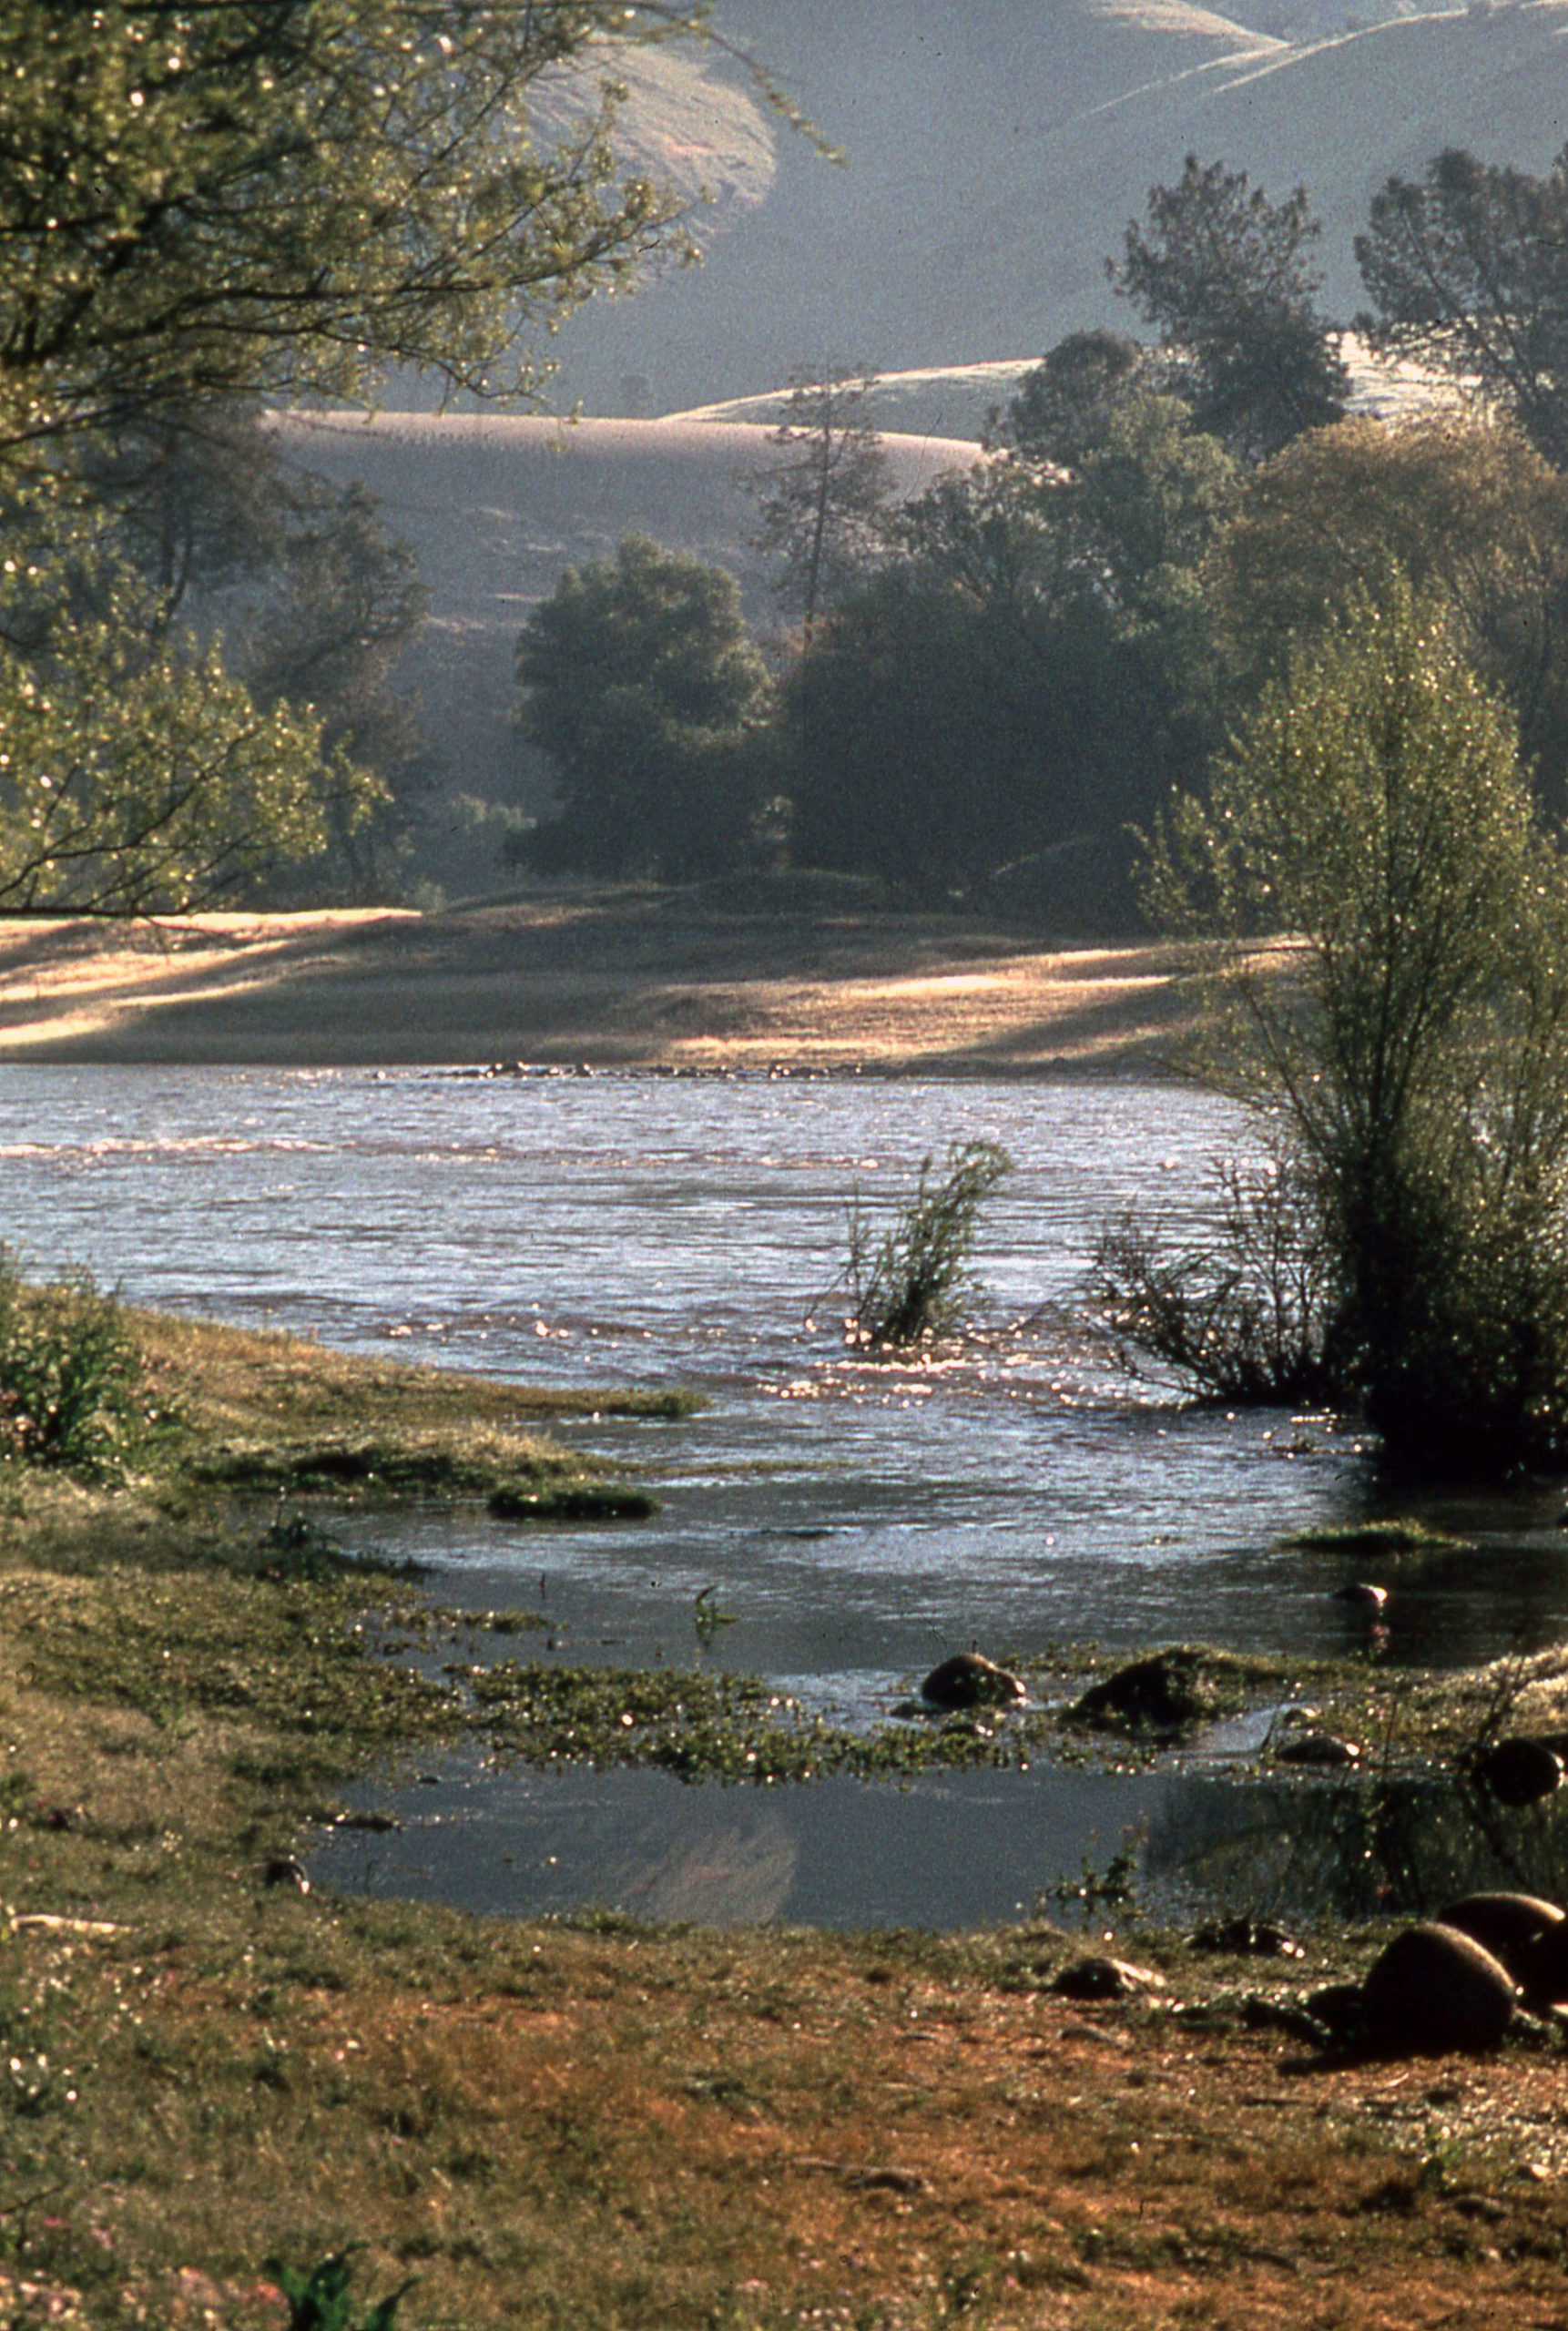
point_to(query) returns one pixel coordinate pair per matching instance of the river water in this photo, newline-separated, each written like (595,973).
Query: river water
(854,1521)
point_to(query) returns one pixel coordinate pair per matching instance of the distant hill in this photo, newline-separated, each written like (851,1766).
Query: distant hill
(994,154)
(958,400)
(498,506)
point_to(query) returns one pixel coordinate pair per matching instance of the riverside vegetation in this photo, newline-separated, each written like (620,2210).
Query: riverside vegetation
(588,2122)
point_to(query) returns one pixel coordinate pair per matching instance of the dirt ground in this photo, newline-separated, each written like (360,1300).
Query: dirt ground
(639,978)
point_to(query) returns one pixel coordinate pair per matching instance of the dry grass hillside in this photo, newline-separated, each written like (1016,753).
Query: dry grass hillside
(994,154)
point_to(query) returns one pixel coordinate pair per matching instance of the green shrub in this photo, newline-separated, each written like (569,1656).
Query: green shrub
(70,1374)
(1412,1040)
(319,2301)
(913,1283)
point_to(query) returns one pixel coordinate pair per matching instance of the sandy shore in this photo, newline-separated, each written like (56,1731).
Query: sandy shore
(619,979)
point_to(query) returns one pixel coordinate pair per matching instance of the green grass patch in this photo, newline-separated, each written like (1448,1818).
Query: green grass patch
(1387,1537)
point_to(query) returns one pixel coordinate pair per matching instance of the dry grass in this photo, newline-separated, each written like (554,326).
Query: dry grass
(555,2127)
(641,977)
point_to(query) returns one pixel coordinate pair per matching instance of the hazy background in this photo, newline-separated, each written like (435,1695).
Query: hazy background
(994,154)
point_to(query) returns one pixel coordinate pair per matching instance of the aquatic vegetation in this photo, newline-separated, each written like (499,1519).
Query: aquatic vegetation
(913,1282)
(703,1726)
(1384,1537)
(1242,1313)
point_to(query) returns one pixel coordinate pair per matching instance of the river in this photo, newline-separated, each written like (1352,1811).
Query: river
(855,1521)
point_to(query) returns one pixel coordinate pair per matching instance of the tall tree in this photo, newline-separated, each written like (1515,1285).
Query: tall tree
(1468,270)
(823,509)
(1463,508)
(644,690)
(1229,277)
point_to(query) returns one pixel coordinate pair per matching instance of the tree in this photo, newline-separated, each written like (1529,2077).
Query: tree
(1469,271)
(282,197)
(1012,684)
(1409,1047)
(646,693)
(823,511)
(138,778)
(1066,405)
(346,600)
(241,199)
(1464,510)
(1130,490)
(1226,276)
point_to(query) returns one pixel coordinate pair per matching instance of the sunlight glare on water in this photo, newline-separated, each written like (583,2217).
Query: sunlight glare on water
(857,1520)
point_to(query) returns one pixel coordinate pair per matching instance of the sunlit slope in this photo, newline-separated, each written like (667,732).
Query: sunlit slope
(958,400)
(994,155)
(496,508)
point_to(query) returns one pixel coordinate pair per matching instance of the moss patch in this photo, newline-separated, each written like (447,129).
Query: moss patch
(1387,1537)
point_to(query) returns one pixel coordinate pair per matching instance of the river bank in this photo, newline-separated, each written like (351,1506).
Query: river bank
(585,2120)
(674,980)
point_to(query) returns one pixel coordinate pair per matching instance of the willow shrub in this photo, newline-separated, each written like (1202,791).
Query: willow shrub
(913,1283)
(1387,926)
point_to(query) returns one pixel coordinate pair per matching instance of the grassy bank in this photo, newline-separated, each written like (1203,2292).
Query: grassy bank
(592,2125)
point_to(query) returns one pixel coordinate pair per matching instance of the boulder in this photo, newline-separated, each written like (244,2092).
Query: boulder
(1513,1927)
(1325,1749)
(1164,1693)
(1106,1979)
(970,1680)
(1520,1771)
(1434,1990)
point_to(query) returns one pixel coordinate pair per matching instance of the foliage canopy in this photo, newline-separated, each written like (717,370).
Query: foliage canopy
(645,692)
(282,197)
(1410,1049)
(1227,276)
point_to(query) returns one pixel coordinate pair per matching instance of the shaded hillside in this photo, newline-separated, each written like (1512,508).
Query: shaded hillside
(497,508)
(994,155)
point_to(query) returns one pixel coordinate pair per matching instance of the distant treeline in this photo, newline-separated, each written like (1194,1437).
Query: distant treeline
(990,689)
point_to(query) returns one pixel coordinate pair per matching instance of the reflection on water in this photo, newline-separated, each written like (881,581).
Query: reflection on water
(961,1849)
(857,1522)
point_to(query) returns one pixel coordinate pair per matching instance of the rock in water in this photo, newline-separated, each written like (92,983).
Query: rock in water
(1164,1693)
(1520,1771)
(970,1680)
(1434,1990)
(1363,1596)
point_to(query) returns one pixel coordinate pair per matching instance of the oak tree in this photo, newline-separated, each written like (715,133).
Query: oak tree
(644,691)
